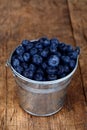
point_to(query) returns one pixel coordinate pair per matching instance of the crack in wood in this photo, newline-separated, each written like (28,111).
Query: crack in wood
(83,84)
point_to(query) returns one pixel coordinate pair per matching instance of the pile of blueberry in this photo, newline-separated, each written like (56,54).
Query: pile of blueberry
(44,59)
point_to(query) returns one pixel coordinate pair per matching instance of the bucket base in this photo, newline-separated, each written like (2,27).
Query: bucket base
(42,114)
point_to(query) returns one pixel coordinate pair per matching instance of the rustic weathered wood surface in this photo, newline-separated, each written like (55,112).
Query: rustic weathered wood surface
(31,19)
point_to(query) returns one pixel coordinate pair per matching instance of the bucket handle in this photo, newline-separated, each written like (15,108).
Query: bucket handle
(8,63)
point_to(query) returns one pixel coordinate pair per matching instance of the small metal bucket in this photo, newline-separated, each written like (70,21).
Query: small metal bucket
(41,98)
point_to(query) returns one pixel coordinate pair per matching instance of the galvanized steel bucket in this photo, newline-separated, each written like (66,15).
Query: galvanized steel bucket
(41,98)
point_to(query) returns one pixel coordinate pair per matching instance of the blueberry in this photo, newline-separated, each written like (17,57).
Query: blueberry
(24,65)
(28,74)
(26,57)
(29,46)
(15,62)
(52,77)
(40,50)
(53,60)
(20,57)
(33,51)
(51,70)
(61,45)
(32,67)
(66,69)
(44,41)
(19,50)
(72,64)
(38,77)
(54,42)
(44,65)
(37,59)
(73,55)
(53,48)
(38,45)
(14,56)
(45,52)
(62,75)
(41,40)
(19,69)
(25,43)
(65,59)
(58,54)
(69,48)
(64,49)
(40,71)
(60,70)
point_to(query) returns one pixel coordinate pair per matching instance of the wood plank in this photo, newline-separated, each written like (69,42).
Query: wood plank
(78,18)
(4,34)
(16,117)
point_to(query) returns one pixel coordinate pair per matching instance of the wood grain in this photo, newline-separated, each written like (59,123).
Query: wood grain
(30,19)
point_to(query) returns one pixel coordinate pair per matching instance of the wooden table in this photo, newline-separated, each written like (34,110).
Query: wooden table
(31,19)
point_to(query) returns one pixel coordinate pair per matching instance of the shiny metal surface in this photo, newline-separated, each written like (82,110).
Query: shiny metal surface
(41,98)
